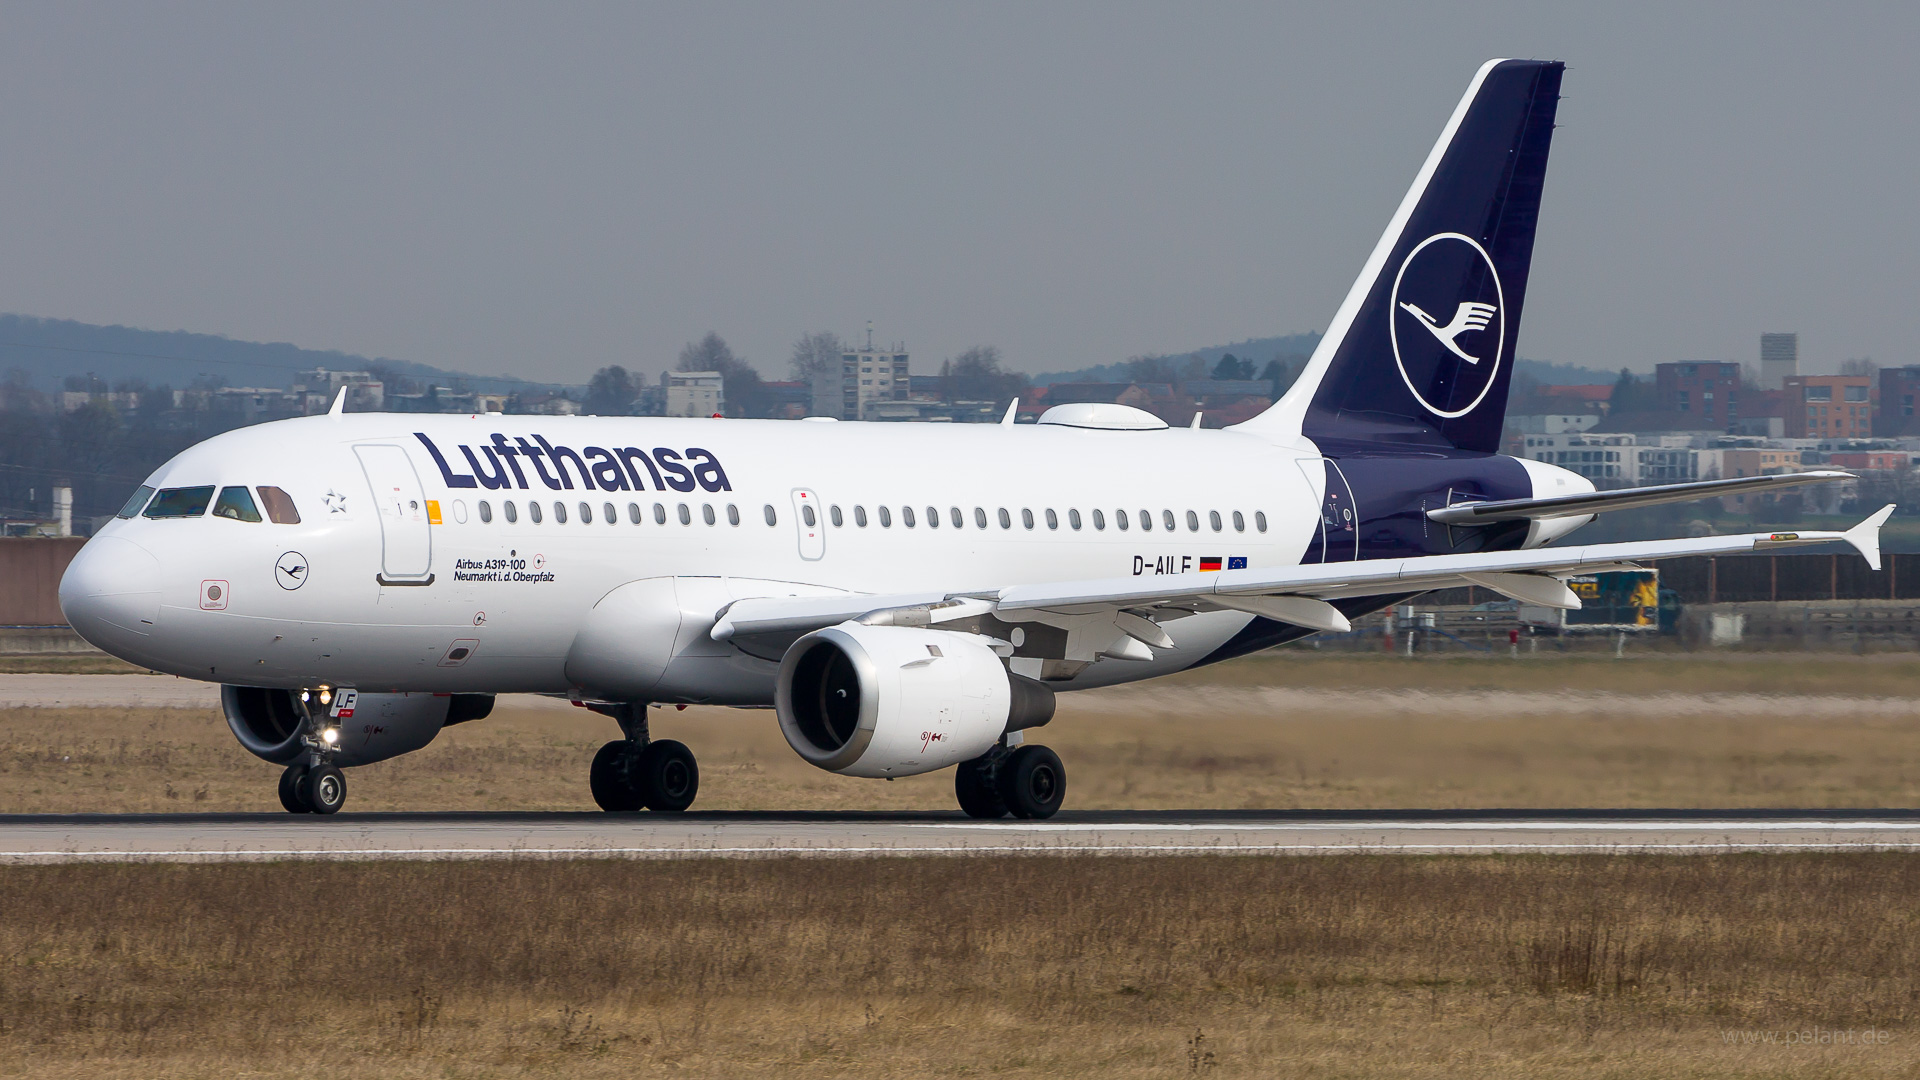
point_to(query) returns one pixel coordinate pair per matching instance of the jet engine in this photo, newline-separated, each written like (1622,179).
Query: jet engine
(269,722)
(895,701)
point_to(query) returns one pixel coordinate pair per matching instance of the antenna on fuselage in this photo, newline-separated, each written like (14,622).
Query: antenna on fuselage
(1012,409)
(339,407)
(1196,420)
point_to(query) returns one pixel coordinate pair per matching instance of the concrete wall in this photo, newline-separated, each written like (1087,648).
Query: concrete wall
(30,569)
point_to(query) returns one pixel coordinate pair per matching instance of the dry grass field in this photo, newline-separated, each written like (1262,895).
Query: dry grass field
(1344,966)
(1282,730)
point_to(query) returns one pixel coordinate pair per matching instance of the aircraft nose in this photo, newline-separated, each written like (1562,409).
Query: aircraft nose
(111,593)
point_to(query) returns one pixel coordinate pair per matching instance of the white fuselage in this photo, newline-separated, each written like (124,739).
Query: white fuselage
(397,565)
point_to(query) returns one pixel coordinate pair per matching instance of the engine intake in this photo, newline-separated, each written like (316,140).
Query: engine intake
(896,701)
(268,722)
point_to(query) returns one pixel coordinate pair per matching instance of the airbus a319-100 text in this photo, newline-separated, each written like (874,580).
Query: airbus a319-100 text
(905,597)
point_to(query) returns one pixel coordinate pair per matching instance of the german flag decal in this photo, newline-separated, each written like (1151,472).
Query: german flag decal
(1209,562)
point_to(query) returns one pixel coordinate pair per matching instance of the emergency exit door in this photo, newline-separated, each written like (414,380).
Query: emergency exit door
(406,544)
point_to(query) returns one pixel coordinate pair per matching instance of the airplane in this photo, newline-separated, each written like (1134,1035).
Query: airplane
(903,597)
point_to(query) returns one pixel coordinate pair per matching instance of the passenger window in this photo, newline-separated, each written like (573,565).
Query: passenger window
(979,517)
(1006,522)
(1146,521)
(833,514)
(906,516)
(660,514)
(633,513)
(533,511)
(886,518)
(733,514)
(686,515)
(235,504)
(1193,521)
(1120,519)
(959,519)
(1260,520)
(559,513)
(1053,520)
(860,516)
(279,506)
(586,514)
(1213,519)
(1099,520)
(513,513)
(1239,523)
(772,518)
(933,517)
(806,515)
(486,511)
(610,514)
(139,500)
(1026,518)
(1166,519)
(707,515)
(1073,519)
(180,502)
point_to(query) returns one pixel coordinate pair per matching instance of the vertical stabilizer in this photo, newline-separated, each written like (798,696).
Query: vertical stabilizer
(1421,351)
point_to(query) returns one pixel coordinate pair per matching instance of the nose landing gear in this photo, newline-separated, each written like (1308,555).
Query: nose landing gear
(639,772)
(315,785)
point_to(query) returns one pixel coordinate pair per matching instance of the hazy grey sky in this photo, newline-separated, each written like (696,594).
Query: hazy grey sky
(544,189)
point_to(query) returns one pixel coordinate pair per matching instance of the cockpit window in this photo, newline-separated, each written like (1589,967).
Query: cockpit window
(138,501)
(235,503)
(279,506)
(180,502)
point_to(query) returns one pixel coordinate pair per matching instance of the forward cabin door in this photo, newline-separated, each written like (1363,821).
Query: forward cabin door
(406,545)
(810,518)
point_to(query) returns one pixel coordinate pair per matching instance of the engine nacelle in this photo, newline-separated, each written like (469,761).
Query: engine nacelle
(896,701)
(268,722)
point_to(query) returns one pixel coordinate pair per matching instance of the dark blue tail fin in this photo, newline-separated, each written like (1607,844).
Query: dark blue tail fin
(1421,351)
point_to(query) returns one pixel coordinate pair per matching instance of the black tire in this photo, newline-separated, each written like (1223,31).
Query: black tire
(667,776)
(973,786)
(611,778)
(1033,782)
(323,790)
(290,789)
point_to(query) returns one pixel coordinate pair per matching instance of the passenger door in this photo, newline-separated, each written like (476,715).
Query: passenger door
(406,544)
(1338,538)
(810,518)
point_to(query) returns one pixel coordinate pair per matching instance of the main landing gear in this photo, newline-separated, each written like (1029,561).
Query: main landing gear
(640,772)
(313,789)
(1025,781)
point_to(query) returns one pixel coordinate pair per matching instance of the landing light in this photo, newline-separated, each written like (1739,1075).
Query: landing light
(326,697)
(330,736)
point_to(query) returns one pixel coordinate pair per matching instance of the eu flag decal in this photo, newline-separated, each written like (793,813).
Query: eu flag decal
(1236,562)
(1209,562)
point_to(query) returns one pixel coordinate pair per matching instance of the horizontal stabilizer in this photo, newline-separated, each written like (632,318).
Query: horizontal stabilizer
(1600,502)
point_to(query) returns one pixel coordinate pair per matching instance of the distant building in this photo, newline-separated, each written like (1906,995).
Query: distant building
(1707,392)
(1576,398)
(694,393)
(1554,423)
(866,376)
(1779,359)
(1896,415)
(321,385)
(1828,406)
(1600,458)
(1872,460)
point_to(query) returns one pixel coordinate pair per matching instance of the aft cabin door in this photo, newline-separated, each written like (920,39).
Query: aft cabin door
(809,518)
(406,545)
(1338,538)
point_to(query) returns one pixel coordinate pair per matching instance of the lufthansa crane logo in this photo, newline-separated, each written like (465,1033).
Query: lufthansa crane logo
(1449,365)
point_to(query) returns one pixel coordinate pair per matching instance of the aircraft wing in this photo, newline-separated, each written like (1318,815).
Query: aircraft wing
(1299,595)
(1599,502)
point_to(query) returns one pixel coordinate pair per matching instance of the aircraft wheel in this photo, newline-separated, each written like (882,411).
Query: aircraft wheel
(290,789)
(612,778)
(1033,782)
(973,787)
(323,790)
(667,776)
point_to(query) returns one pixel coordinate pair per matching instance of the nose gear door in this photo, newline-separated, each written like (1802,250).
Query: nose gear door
(406,544)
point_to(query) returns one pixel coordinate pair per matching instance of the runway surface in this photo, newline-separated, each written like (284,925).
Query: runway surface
(44,839)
